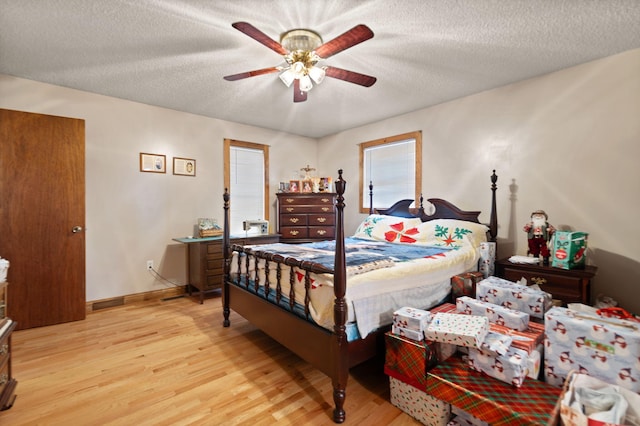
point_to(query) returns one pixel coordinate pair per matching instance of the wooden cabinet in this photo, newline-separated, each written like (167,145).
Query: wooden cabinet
(306,217)
(205,269)
(7,382)
(567,285)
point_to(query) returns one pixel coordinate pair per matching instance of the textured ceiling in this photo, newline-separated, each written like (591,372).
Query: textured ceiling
(174,53)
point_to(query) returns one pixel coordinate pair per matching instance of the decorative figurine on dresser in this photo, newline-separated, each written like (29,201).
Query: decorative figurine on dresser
(539,232)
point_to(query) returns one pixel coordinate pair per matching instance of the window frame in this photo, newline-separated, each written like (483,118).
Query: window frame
(228,143)
(417,136)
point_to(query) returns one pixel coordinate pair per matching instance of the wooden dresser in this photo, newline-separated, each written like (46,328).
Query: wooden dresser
(205,269)
(7,382)
(306,217)
(568,285)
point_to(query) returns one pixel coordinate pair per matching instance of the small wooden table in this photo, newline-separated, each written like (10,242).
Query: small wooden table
(567,285)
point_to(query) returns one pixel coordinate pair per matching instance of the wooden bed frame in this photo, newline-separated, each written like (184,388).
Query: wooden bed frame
(328,351)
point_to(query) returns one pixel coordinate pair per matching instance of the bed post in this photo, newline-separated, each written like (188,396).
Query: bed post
(227,267)
(340,371)
(493,221)
(371,209)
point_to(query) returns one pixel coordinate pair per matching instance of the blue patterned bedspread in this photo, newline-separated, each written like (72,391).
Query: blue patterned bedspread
(360,255)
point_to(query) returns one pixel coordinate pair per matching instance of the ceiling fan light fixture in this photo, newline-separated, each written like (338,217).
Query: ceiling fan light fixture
(300,39)
(305,83)
(287,77)
(317,74)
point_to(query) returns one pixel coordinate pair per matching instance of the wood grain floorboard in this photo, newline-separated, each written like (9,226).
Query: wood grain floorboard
(172,363)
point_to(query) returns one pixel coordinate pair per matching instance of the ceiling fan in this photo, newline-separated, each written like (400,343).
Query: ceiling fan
(303,51)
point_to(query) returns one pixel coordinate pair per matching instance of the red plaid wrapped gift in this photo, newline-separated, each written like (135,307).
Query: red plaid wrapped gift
(408,360)
(465,284)
(527,340)
(490,400)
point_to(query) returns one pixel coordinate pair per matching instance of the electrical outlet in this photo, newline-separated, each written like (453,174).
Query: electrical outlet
(149,265)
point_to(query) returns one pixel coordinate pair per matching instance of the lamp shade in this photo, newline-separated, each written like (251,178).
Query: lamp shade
(305,83)
(317,74)
(287,77)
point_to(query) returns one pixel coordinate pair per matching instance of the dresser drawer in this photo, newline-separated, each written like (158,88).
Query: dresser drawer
(4,376)
(324,232)
(321,220)
(293,220)
(294,232)
(307,209)
(311,199)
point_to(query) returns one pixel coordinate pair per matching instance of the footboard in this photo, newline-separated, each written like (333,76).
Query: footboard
(245,273)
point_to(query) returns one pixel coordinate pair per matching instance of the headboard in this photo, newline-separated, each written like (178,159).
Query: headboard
(443,209)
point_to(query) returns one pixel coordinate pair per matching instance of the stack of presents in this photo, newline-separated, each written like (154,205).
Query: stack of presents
(501,353)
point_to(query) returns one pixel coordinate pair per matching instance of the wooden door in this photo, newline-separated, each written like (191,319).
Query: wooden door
(41,202)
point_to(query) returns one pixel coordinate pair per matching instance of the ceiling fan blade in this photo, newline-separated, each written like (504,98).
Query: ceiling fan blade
(355,35)
(259,36)
(253,73)
(298,95)
(350,76)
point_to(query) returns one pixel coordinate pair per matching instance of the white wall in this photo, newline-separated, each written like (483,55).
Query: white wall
(132,216)
(567,142)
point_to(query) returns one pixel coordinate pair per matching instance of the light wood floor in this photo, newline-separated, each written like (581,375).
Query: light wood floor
(172,363)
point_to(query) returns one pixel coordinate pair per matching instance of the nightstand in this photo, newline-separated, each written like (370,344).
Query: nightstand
(567,285)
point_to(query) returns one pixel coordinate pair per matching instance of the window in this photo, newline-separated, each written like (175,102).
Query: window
(394,166)
(246,174)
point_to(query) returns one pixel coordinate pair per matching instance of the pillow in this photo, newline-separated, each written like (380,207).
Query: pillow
(390,228)
(451,232)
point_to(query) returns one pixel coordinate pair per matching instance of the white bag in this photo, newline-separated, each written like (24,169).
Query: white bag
(587,401)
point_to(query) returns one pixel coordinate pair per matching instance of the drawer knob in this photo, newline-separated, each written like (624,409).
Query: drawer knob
(294,232)
(322,219)
(321,232)
(539,280)
(325,200)
(289,200)
(325,209)
(294,220)
(289,209)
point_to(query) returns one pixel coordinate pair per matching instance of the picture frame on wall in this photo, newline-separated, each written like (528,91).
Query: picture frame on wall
(153,163)
(184,166)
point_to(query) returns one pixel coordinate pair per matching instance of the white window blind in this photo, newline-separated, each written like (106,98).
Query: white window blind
(246,186)
(392,169)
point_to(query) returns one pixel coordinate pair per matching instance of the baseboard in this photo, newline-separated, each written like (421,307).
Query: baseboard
(95,305)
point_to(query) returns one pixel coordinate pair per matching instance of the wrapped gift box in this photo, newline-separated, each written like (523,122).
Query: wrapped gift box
(515,296)
(497,314)
(408,333)
(425,408)
(409,360)
(511,368)
(462,330)
(527,340)
(602,347)
(491,400)
(466,418)
(486,264)
(411,319)
(465,284)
